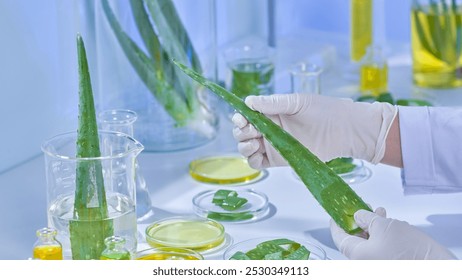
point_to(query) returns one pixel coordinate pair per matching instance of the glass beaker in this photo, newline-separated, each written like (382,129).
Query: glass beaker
(250,69)
(121,120)
(174,112)
(436,43)
(83,237)
(305,78)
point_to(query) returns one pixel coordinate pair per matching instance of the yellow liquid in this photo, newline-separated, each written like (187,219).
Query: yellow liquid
(222,170)
(196,235)
(436,60)
(361,28)
(168,256)
(48,253)
(373,79)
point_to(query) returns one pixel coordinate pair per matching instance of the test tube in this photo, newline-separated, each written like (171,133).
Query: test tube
(121,120)
(305,78)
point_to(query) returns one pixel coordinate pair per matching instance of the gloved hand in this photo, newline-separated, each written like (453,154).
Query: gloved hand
(329,127)
(387,239)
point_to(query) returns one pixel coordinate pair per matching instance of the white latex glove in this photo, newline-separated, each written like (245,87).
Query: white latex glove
(329,127)
(388,239)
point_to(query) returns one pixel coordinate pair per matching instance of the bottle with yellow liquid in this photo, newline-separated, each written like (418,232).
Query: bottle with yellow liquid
(361,28)
(47,247)
(373,72)
(436,40)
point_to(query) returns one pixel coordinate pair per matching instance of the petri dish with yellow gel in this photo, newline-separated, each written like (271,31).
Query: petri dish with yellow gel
(223,170)
(186,232)
(168,253)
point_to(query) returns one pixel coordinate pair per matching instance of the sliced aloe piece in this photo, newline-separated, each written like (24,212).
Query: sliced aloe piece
(331,191)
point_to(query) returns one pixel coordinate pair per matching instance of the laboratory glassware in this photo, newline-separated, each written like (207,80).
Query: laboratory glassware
(117,161)
(121,120)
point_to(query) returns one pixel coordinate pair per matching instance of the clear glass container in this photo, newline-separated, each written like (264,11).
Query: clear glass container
(168,253)
(115,205)
(305,78)
(47,247)
(121,120)
(436,43)
(174,112)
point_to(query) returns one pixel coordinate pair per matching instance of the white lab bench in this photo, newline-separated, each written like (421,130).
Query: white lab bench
(293,210)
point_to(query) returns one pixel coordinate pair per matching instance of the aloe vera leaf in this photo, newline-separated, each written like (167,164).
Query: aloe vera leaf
(173,103)
(176,43)
(341,203)
(229,217)
(162,63)
(171,29)
(90,225)
(425,40)
(458,35)
(413,102)
(239,256)
(147,33)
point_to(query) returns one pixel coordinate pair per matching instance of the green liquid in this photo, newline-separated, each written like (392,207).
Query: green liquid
(251,78)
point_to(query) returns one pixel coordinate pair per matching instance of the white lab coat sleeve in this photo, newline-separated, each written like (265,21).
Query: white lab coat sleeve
(431,144)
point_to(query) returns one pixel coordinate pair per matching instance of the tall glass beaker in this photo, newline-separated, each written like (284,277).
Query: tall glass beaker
(174,113)
(117,161)
(121,120)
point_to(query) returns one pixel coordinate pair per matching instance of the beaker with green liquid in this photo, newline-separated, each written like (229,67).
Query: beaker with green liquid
(436,38)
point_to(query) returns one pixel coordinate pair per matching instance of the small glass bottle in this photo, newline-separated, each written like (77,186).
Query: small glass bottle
(374,72)
(47,247)
(115,249)
(305,78)
(121,120)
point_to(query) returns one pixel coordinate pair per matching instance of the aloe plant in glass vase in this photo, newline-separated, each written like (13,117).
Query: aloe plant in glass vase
(135,42)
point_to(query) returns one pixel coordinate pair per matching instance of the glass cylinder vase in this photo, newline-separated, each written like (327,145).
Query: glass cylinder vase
(84,215)
(134,44)
(436,40)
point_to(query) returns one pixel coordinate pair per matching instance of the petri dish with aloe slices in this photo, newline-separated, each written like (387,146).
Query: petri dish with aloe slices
(231,205)
(195,233)
(224,170)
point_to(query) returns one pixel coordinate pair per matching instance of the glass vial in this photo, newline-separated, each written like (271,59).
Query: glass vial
(361,28)
(47,247)
(374,72)
(115,249)
(305,78)
(121,120)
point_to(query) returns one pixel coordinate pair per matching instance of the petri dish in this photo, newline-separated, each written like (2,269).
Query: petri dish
(358,174)
(316,252)
(223,170)
(193,233)
(255,207)
(168,253)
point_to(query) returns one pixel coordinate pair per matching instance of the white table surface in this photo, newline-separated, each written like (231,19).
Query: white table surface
(294,212)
